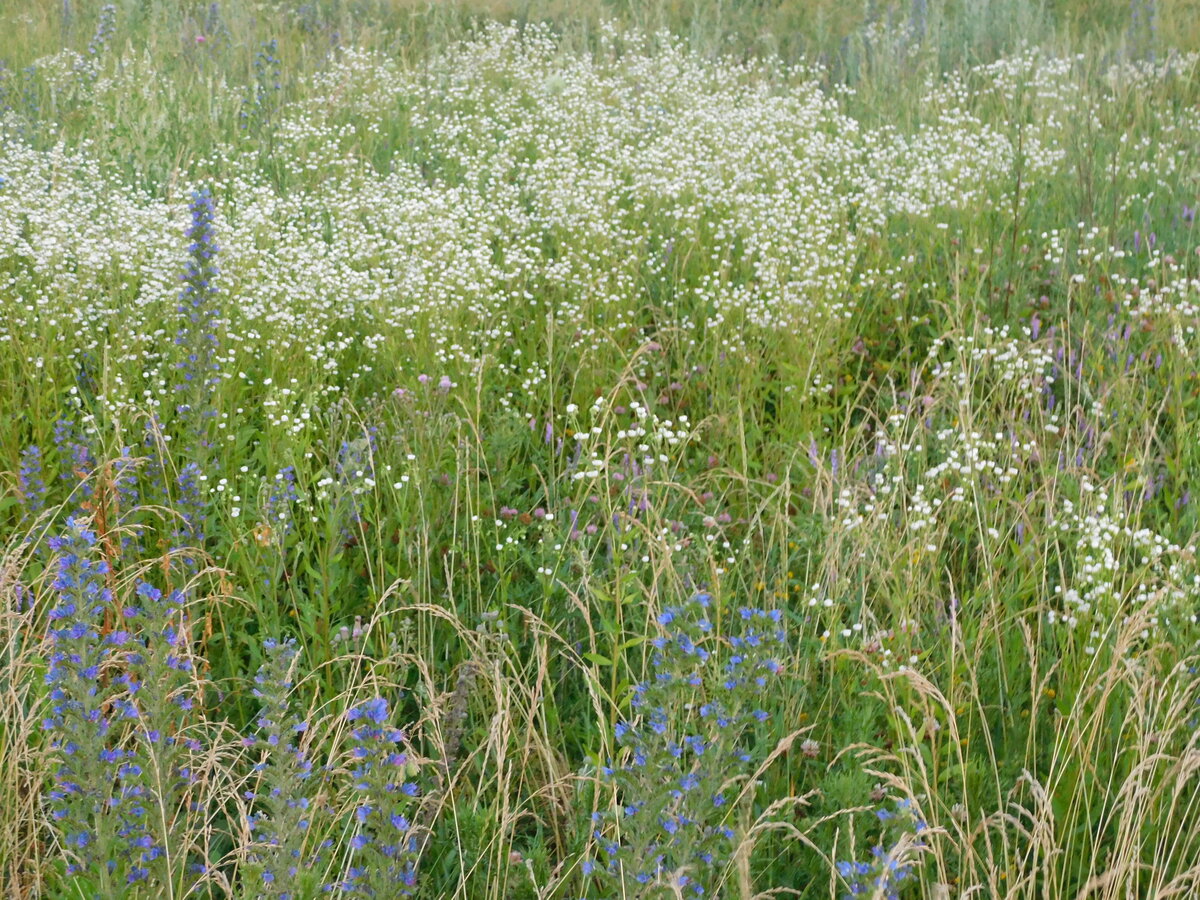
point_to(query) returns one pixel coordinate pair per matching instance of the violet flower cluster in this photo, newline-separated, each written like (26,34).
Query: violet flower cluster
(891,864)
(199,312)
(31,482)
(687,751)
(290,855)
(384,846)
(106,26)
(262,94)
(283,852)
(121,697)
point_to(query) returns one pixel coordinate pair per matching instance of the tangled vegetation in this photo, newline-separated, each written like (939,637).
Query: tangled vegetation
(616,451)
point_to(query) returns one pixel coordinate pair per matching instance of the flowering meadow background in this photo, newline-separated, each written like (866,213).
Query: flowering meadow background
(552,450)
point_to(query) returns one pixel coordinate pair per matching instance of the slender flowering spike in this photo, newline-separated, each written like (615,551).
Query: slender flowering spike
(277,508)
(121,703)
(31,482)
(384,848)
(199,316)
(105,27)
(687,736)
(87,67)
(76,461)
(355,471)
(125,480)
(283,799)
(123,473)
(77,721)
(191,506)
(261,99)
(158,704)
(889,868)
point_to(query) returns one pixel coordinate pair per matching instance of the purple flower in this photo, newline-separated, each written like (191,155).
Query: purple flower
(375,710)
(29,479)
(199,316)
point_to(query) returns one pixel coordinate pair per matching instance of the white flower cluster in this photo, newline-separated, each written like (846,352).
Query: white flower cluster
(549,189)
(1118,570)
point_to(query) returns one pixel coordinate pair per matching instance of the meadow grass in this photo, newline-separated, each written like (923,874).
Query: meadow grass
(552,449)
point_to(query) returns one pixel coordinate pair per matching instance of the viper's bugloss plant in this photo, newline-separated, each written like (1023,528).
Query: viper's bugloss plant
(262,93)
(355,474)
(106,26)
(384,846)
(282,797)
(687,750)
(200,314)
(76,460)
(893,857)
(277,508)
(280,500)
(122,727)
(31,482)
(190,506)
(77,722)
(124,475)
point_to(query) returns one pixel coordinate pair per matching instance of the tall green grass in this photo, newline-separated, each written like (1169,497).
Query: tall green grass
(990,403)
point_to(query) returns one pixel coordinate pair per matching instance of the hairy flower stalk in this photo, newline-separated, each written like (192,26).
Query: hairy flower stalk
(190,505)
(199,312)
(682,751)
(282,798)
(76,461)
(261,98)
(77,722)
(200,315)
(31,482)
(120,706)
(106,25)
(890,867)
(163,699)
(384,847)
